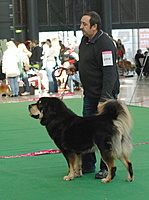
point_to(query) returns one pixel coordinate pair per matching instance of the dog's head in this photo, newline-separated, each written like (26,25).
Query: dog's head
(46,109)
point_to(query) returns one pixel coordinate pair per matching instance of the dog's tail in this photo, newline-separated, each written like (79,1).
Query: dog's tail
(121,141)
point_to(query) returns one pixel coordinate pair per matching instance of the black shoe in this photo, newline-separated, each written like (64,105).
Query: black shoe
(12,95)
(101,174)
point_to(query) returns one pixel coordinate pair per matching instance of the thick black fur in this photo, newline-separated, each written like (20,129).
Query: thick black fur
(75,135)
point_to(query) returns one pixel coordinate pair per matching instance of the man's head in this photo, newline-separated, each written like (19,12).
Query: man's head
(90,24)
(34,43)
(139,51)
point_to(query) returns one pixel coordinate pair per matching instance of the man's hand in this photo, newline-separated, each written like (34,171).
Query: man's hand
(99,106)
(71,70)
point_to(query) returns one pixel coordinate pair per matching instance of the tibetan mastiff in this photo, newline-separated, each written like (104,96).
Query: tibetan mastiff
(108,131)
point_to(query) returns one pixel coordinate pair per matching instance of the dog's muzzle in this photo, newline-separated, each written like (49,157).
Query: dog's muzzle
(31,114)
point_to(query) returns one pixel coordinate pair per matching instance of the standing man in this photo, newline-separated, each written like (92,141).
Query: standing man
(139,58)
(98,73)
(36,53)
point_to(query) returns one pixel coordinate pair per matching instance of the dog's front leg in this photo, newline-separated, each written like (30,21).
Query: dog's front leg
(78,171)
(71,158)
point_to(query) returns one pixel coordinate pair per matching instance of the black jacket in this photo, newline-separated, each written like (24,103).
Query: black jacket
(137,57)
(99,82)
(36,55)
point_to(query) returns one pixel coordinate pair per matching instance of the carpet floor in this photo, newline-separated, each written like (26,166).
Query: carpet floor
(41,177)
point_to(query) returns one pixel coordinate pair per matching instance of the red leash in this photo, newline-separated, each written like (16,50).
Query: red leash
(49,151)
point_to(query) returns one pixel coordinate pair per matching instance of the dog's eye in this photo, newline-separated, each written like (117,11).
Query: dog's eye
(39,105)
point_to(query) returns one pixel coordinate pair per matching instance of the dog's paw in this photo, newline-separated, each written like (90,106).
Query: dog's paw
(78,174)
(105,180)
(130,179)
(67,178)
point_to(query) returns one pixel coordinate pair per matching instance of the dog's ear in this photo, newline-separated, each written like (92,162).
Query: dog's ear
(48,115)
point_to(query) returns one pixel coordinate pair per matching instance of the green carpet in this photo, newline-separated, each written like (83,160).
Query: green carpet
(41,177)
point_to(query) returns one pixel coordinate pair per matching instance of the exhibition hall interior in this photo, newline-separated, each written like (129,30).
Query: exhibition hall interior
(54,48)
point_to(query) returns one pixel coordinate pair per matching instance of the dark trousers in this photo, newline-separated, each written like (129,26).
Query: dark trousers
(138,70)
(55,84)
(53,87)
(27,87)
(89,159)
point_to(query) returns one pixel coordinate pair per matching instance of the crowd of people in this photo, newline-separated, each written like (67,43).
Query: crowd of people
(19,58)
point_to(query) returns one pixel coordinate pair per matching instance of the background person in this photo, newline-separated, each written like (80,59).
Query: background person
(139,57)
(11,66)
(98,73)
(51,60)
(25,55)
(120,50)
(36,53)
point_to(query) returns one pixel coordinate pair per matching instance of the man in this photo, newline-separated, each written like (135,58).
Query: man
(36,54)
(98,73)
(139,58)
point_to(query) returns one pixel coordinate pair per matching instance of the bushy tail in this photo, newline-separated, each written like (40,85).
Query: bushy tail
(118,111)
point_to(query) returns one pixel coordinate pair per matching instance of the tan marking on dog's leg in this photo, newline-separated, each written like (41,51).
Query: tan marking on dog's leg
(127,163)
(110,166)
(78,171)
(72,163)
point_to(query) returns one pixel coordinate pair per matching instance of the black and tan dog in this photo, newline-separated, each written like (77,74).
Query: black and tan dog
(108,131)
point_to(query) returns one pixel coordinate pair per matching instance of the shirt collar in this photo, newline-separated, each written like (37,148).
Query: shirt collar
(93,40)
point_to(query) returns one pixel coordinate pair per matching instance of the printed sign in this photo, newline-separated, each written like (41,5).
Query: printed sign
(107,58)
(143,38)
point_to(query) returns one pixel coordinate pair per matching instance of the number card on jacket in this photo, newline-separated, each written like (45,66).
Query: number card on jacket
(107,58)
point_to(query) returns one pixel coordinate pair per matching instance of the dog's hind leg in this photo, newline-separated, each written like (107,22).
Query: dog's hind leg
(72,160)
(7,92)
(109,161)
(127,163)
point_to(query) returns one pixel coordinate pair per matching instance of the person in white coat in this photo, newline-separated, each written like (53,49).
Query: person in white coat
(25,55)
(50,60)
(11,66)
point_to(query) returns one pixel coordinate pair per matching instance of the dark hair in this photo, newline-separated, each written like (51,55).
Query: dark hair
(35,41)
(95,19)
(48,40)
(139,51)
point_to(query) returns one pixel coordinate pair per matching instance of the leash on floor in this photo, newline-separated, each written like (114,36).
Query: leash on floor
(60,71)
(50,151)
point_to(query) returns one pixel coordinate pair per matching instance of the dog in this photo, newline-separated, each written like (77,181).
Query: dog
(125,66)
(108,131)
(5,90)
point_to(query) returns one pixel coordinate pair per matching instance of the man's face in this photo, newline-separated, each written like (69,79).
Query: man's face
(33,44)
(85,27)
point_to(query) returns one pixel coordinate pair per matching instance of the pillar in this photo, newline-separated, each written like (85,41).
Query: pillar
(106,15)
(32,20)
